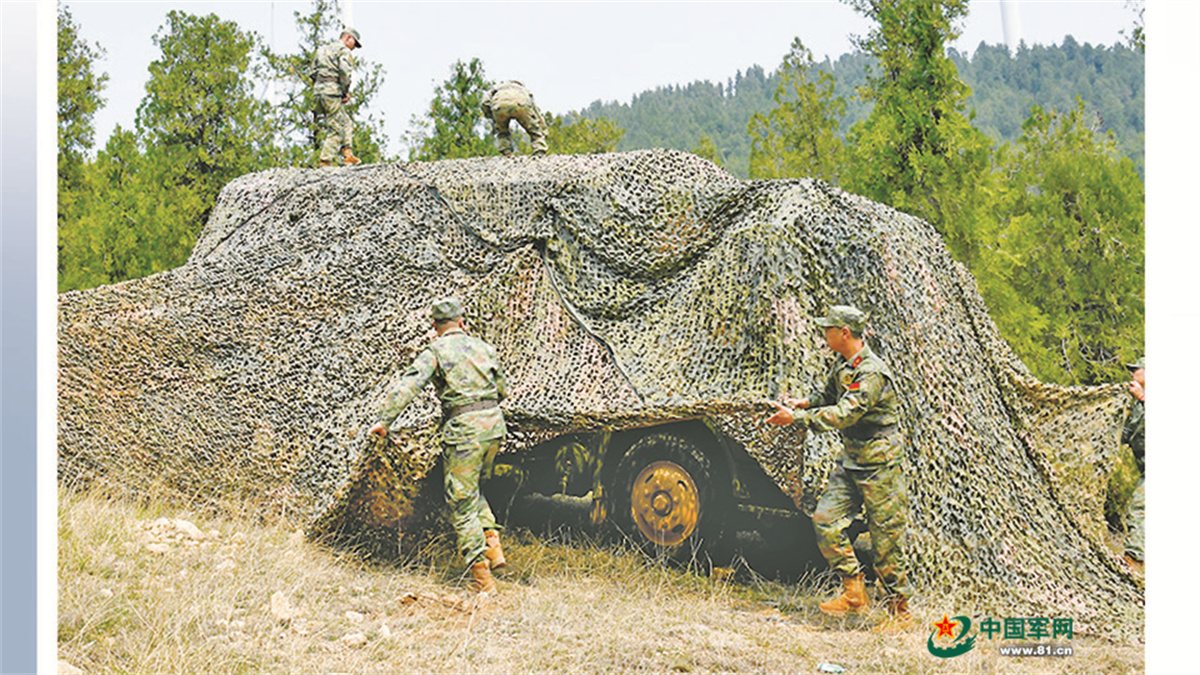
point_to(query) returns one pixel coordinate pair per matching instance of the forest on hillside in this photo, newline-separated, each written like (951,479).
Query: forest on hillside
(1004,88)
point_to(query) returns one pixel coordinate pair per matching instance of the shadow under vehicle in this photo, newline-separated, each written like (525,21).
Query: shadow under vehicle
(680,490)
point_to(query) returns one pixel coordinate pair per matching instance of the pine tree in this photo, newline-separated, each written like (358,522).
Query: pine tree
(80,90)
(574,135)
(799,136)
(1064,277)
(917,151)
(707,149)
(454,127)
(199,125)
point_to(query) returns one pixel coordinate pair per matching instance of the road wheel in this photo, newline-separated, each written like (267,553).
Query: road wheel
(663,497)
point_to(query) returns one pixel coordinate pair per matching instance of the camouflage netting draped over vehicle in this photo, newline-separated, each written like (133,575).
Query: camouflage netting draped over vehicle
(618,289)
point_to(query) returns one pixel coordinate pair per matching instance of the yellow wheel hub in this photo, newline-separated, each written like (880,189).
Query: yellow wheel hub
(664,503)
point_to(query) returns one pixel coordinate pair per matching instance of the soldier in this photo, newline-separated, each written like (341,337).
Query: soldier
(512,101)
(333,65)
(859,399)
(470,385)
(1134,435)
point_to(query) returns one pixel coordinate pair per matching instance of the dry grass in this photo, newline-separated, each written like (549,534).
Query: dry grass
(205,606)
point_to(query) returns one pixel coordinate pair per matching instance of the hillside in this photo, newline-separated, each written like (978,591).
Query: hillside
(1110,80)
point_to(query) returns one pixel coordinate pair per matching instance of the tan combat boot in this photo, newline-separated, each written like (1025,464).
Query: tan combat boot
(481,575)
(495,554)
(899,620)
(853,598)
(348,157)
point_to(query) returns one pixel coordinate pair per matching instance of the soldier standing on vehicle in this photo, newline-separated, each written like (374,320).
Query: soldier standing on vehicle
(470,385)
(1134,435)
(859,399)
(333,65)
(512,101)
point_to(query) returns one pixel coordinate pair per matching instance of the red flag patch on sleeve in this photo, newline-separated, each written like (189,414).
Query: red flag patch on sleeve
(853,386)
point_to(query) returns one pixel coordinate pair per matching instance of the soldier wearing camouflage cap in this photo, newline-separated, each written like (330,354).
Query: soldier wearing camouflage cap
(333,66)
(512,101)
(859,400)
(1134,435)
(470,384)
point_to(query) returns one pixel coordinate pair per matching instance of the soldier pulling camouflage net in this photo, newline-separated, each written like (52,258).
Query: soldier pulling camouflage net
(617,289)
(859,399)
(470,385)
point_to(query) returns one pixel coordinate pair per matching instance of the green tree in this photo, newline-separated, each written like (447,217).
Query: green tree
(200,125)
(454,127)
(1064,276)
(1137,33)
(79,94)
(799,136)
(111,238)
(707,149)
(917,150)
(574,135)
(79,97)
(292,75)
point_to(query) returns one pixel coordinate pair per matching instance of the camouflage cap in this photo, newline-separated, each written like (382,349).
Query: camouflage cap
(352,31)
(844,316)
(446,309)
(1140,364)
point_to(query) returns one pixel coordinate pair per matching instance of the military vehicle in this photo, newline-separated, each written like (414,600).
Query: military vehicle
(644,305)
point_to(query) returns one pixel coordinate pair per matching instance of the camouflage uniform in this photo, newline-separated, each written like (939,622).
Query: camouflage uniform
(512,101)
(466,373)
(1134,435)
(860,401)
(334,64)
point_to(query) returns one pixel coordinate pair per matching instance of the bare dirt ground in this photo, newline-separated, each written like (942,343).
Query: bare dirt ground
(150,589)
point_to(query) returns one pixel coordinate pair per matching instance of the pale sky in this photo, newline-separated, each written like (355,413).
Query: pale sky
(569,53)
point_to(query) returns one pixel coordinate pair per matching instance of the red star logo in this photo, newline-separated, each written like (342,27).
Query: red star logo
(946,626)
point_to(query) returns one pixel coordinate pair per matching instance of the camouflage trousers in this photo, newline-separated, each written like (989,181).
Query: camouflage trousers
(1135,523)
(466,465)
(339,129)
(528,116)
(882,494)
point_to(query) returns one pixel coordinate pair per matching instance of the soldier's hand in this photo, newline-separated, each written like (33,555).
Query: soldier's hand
(782,417)
(801,403)
(378,429)
(1138,391)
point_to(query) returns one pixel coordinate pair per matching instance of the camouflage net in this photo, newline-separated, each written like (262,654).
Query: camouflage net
(618,289)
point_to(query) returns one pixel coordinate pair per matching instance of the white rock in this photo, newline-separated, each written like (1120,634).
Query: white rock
(385,632)
(188,529)
(65,668)
(352,615)
(158,548)
(354,640)
(106,593)
(281,607)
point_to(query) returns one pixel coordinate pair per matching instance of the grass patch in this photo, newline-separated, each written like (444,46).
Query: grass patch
(140,592)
